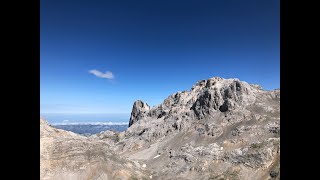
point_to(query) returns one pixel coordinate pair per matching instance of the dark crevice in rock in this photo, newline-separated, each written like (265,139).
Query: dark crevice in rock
(224,107)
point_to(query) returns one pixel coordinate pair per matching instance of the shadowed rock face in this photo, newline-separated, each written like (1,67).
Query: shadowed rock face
(138,111)
(220,129)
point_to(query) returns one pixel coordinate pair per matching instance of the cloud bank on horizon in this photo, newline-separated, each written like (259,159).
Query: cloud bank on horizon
(106,75)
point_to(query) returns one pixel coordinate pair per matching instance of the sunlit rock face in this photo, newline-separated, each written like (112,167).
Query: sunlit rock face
(219,129)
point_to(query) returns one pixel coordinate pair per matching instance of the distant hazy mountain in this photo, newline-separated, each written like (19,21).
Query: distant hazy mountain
(89,129)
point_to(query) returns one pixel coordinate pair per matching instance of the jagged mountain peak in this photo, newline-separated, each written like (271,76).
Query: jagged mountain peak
(204,98)
(221,123)
(138,110)
(220,129)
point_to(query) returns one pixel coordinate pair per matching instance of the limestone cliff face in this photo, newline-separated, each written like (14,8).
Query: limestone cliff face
(138,111)
(220,129)
(205,98)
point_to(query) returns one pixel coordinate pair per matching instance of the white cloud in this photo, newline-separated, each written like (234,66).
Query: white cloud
(107,74)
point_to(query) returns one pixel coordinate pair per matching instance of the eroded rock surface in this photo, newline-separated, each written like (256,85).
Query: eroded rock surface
(65,155)
(220,129)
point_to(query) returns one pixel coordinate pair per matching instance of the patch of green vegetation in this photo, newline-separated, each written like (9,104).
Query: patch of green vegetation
(256,145)
(231,175)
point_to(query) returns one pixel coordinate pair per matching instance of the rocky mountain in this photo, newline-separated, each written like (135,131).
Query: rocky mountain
(138,111)
(68,156)
(220,129)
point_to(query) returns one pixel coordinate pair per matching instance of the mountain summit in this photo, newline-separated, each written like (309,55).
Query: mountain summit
(219,129)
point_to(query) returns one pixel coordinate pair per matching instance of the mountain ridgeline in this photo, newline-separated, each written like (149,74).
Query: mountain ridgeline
(220,129)
(204,100)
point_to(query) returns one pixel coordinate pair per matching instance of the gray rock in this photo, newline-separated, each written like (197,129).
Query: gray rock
(221,128)
(241,119)
(66,155)
(138,111)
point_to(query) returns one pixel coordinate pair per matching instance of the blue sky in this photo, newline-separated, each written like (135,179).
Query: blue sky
(151,49)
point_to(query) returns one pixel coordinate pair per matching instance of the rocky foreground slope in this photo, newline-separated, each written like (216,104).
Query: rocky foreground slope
(68,156)
(220,129)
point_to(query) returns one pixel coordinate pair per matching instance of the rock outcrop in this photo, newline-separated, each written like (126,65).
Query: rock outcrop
(205,98)
(220,129)
(138,111)
(69,156)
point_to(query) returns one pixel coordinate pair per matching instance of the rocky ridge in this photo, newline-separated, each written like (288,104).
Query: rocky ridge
(220,129)
(220,122)
(69,156)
